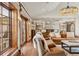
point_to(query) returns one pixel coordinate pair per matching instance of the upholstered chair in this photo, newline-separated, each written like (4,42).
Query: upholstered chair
(45,49)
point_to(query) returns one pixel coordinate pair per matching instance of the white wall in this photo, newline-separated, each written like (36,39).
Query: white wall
(56,25)
(77,27)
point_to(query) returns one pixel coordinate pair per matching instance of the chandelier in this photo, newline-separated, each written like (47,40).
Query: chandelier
(69,10)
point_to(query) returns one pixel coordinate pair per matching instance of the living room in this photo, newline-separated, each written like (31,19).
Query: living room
(39,29)
(56,25)
(61,25)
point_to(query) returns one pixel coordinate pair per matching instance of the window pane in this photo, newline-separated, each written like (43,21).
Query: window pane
(5,43)
(5,20)
(5,28)
(5,36)
(5,12)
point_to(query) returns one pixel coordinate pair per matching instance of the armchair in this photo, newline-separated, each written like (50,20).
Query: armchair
(45,49)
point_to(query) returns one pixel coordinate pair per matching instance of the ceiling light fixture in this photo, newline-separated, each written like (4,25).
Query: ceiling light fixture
(67,4)
(69,10)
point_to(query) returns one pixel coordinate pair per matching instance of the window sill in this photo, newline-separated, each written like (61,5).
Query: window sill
(8,52)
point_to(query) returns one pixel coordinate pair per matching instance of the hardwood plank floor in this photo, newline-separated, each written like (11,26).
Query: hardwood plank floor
(28,50)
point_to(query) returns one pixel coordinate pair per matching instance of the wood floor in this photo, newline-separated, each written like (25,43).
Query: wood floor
(28,50)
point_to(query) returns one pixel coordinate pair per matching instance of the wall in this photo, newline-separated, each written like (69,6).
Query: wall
(77,27)
(56,24)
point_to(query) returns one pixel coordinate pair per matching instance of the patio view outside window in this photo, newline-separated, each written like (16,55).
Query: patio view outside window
(4,28)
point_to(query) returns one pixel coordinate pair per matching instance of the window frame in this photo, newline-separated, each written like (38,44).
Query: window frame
(9,25)
(24,20)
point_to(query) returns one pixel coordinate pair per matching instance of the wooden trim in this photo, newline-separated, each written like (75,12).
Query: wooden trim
(14,28)
(12,6)
(8,5)
(4,5)
(10,29)
(26,30)
(25,18)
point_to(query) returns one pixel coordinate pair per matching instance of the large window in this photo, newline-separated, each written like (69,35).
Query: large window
(4,28)
(23,31)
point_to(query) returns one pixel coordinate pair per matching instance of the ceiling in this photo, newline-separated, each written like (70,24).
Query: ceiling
(46,10)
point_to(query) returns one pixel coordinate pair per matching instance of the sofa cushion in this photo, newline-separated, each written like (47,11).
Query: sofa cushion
(70,35)
(56,51)
(51,45)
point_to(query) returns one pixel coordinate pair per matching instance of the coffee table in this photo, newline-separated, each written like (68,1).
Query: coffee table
(72,46)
